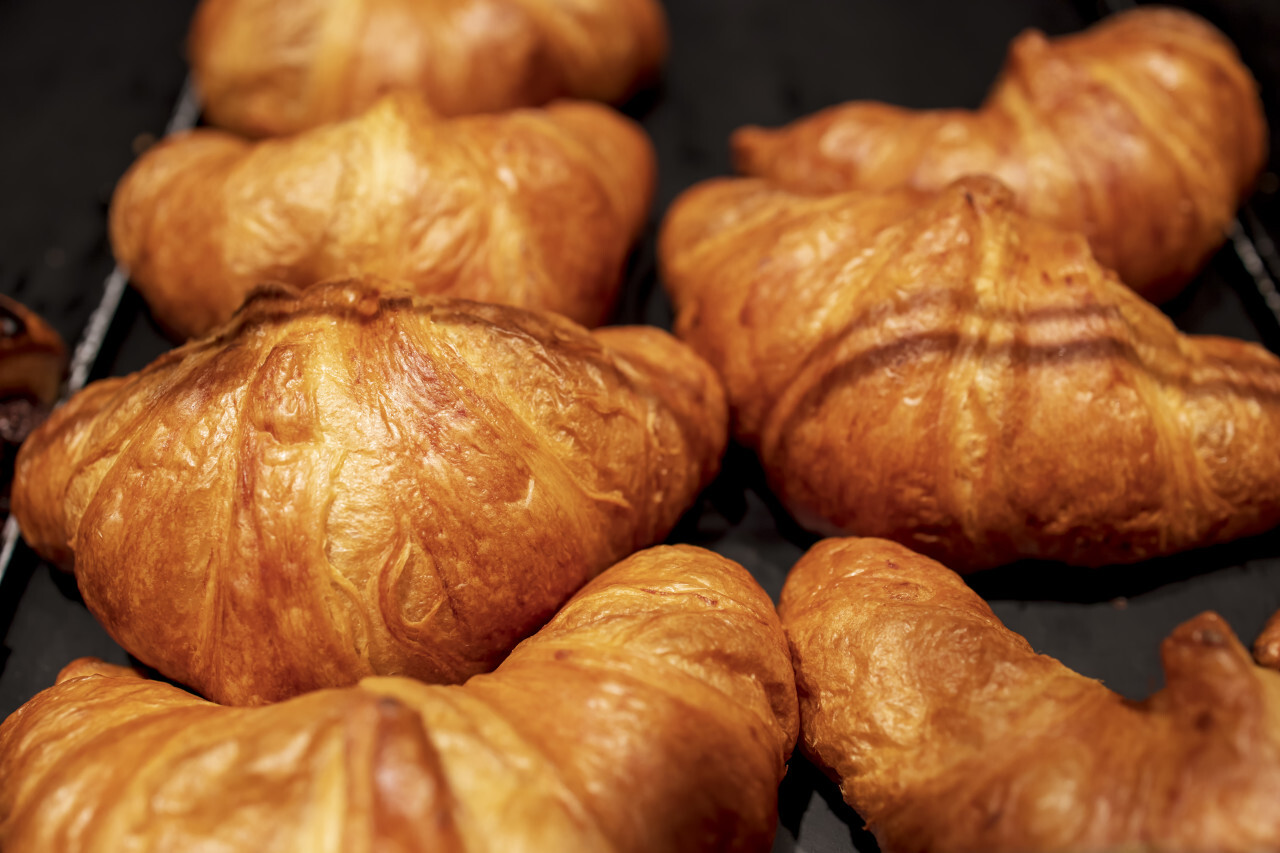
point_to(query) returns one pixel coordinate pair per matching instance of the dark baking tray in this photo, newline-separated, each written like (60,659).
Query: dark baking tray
(89,83)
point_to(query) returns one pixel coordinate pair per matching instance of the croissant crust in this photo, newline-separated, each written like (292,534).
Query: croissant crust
(942,371)
(271,67)
(341,484)
(1144,133)
(947,732)
(655,712)
(32,355)
(536,208)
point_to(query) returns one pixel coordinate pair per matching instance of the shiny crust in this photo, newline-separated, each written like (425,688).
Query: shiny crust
(655,712)
(271,67)
(1144,132)
(536,208)
(1266,651)
(32,355)
(341,484)
(947,732)
(944,372)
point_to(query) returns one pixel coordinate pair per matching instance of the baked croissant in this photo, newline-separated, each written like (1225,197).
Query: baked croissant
(655,712)
(1144,132)
(947,732)
(1267,649)
(32,355)
(536,208)
(270,67)
(341,484)
(944,372)
(32,361)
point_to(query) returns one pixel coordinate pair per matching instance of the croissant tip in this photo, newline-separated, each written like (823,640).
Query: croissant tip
(983,193)
(89,666)
(1203,644)
(1208,630)
(748,145)
(1266,651)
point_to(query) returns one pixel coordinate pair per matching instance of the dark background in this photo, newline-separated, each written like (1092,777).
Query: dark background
(88,84)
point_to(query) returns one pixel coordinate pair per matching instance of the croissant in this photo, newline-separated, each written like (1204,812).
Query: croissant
(537,208)
(32,355)
(270,67)
(342,483)
(944,372)
(947,732)
(1267,649)
(32,361)
(1144,132)
(655,712)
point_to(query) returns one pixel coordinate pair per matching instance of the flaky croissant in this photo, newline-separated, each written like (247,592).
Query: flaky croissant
(32,355)
(947,373)
(947,732)
(1144,132)
(655,712)
(341,484)
(33,359)
(270,67)
(1267,649)
(536,208)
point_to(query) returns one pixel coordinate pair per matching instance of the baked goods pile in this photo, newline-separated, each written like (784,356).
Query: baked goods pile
(385,510)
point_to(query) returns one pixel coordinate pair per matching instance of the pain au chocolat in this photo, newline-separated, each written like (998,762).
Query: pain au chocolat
(943,371)
(536,208)
(655,712)
(1144,133)
(342,482)
(946,731)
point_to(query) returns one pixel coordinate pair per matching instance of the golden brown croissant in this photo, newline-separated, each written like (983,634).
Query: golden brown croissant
(949,374)
(536,208)
(947,732)
(1144,133)
(655,712)
(269,67)
(32,355)
(341,484)
(32,361)
(1267,648)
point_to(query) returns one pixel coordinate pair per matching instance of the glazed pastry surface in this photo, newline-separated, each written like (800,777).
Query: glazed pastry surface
(943,371)
(535,208)
(655,712)
(271,67)
(947,732)
(343,483)
(1144,132)
(1267,648)
(32,355)
(33,360)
